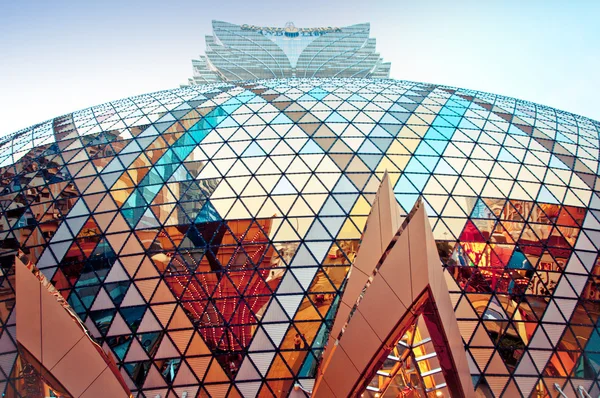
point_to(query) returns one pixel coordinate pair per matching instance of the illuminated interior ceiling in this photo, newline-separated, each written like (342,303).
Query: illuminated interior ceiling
(203,235)
(410,369)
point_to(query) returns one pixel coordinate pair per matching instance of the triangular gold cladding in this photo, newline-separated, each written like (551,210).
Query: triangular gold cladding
(406,282)
(382,223)
(52,333)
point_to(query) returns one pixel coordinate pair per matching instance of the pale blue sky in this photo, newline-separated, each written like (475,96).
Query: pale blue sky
(60,56)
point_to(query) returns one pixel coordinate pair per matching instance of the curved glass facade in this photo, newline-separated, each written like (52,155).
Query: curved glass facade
(203,234)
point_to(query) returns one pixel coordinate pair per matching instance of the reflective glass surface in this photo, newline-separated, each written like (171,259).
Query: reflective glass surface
(203,234)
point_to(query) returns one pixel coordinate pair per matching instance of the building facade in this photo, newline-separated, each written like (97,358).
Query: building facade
(204,234)
(248,52)
(238,238)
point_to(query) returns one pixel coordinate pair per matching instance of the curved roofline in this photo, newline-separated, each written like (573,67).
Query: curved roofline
(474,92)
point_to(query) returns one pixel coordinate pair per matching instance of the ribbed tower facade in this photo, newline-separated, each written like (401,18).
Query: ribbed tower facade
(248,52)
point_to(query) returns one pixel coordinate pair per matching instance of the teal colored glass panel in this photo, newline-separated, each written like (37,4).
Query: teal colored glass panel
(102,319)
(207,214)
(519,261)
(119,346)
(133,316)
